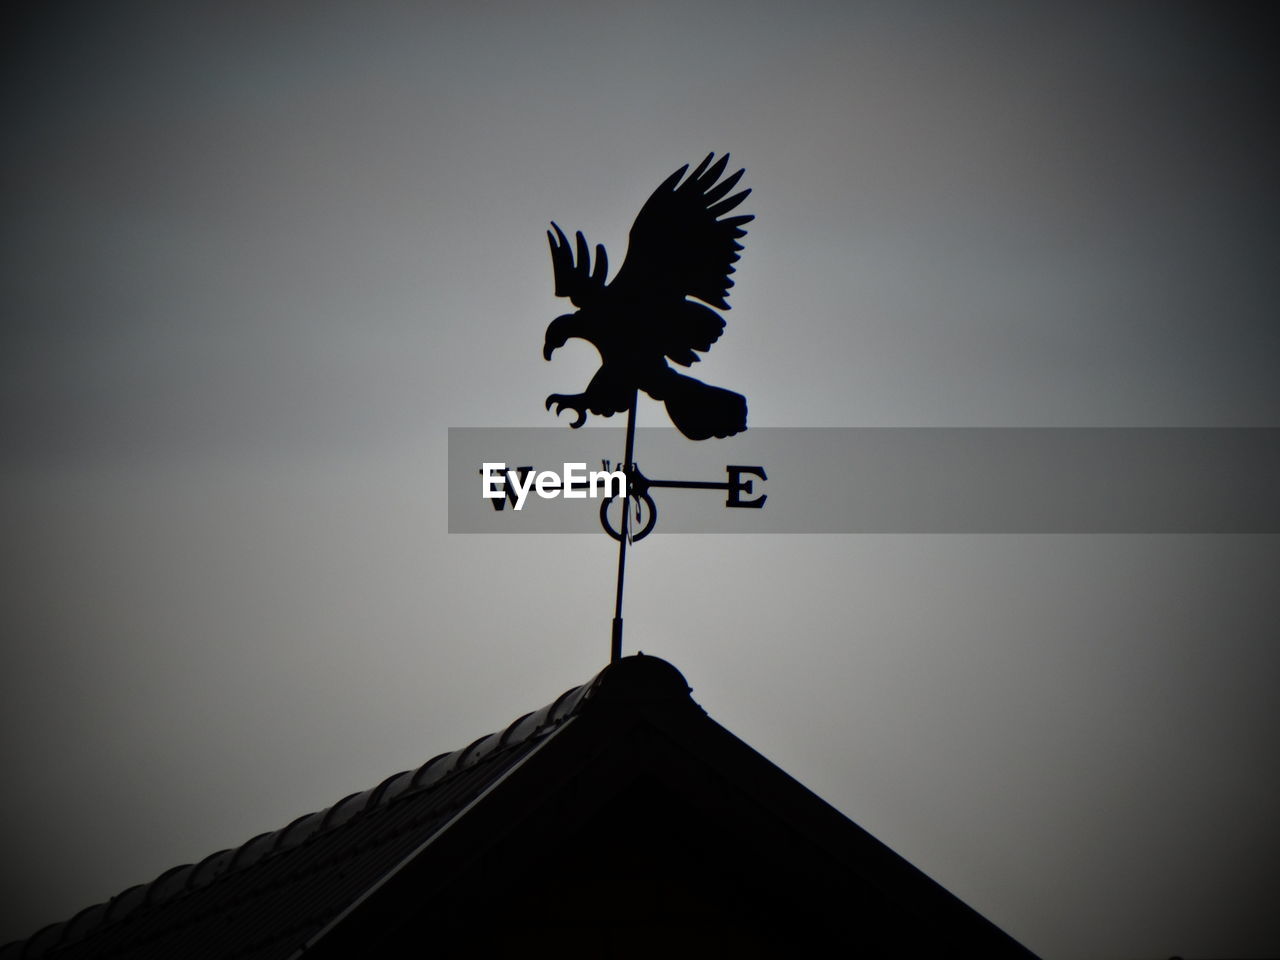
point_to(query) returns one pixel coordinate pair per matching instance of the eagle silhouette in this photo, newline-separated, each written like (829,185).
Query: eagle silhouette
(678,249)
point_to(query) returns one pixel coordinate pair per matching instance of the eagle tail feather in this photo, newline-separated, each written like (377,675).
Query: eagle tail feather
(699,410)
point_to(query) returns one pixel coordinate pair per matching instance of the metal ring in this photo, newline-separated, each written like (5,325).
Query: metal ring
(635,534)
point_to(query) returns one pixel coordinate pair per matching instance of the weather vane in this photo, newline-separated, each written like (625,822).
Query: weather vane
(657,309)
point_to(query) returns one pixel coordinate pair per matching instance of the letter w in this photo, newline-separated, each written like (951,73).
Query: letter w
(508,489)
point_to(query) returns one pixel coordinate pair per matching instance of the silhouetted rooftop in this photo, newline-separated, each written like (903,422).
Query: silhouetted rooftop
(357,838)
(534,800)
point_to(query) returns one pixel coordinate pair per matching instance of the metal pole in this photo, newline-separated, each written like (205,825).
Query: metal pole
(615,649)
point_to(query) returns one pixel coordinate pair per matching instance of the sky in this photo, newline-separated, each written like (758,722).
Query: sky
(256,259)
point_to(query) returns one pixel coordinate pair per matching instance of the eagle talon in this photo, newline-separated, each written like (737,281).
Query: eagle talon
(563,403)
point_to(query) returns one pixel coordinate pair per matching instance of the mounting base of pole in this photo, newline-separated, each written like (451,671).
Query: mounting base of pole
(615,648)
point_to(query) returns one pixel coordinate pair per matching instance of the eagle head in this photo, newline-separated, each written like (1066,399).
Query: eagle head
(559,331)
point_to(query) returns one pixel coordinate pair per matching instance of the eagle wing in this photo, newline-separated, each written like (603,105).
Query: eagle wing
(679,248)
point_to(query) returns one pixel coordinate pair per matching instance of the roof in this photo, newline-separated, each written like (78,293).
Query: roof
(621,785)
(357,839)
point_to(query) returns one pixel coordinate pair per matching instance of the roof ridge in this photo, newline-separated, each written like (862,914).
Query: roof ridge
(179,880)
(638,677)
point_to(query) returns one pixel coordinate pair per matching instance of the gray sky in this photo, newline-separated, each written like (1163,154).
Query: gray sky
(255,259)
